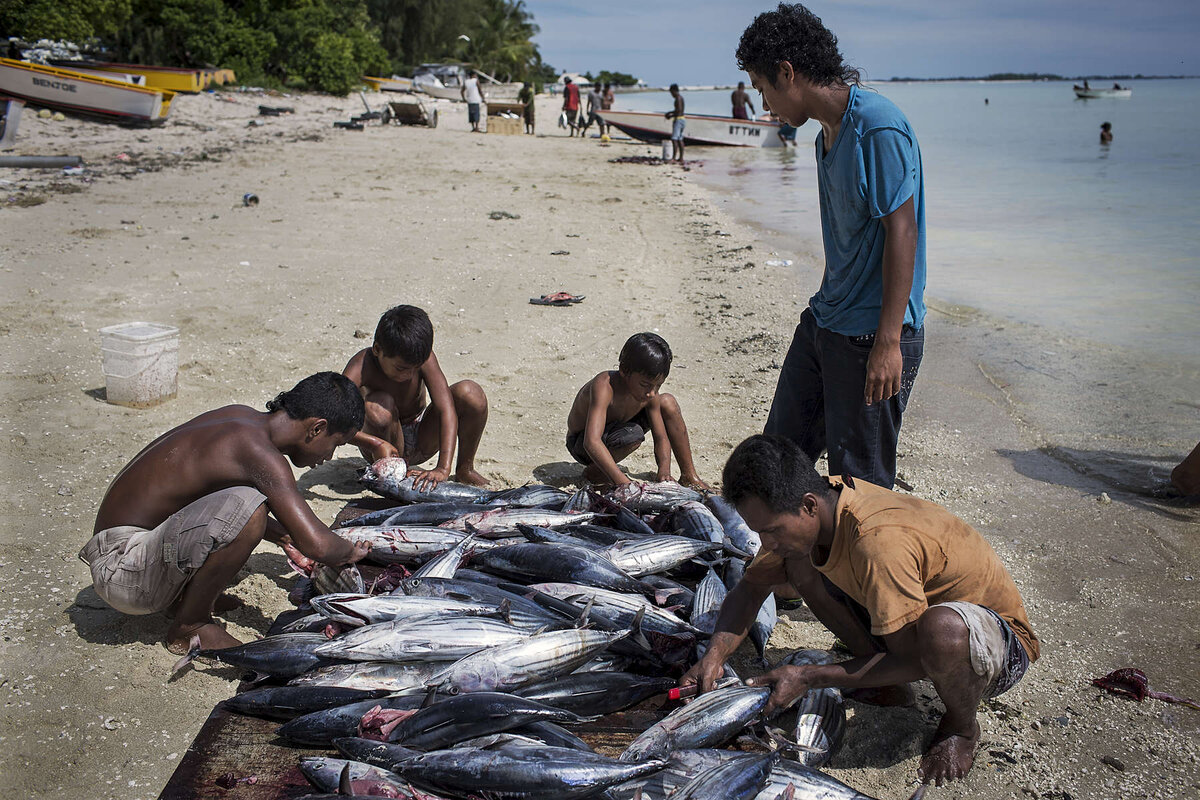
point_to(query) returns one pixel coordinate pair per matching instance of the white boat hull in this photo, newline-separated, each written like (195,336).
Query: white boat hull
(1097,94)
(698,129)
(71,90)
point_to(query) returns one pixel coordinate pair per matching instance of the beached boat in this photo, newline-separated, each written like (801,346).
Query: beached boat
(177,79)
(71,90)
(388,84)
(1096,94)
(699,129)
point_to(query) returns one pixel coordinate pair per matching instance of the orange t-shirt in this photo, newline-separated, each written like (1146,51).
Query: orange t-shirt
(897,555)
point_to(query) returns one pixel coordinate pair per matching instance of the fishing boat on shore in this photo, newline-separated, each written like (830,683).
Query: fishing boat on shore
(82,92)
(1087,93)
(176,79)
(392,84)
(650,126)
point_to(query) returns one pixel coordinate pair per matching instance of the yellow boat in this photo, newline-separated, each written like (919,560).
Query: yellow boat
(177,79)
(388,84)
(71,90)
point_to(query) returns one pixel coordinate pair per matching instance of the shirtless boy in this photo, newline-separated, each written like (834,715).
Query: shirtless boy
(181,518)
(914,591)
(395,375)
(614,410)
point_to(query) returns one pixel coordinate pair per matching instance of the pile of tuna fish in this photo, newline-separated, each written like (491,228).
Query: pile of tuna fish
(502,619)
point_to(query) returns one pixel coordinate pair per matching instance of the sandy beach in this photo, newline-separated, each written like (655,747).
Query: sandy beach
(350,223)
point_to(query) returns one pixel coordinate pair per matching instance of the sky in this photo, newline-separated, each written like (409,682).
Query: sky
(691,42)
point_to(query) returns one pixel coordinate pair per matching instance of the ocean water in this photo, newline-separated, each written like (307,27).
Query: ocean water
(1028,216)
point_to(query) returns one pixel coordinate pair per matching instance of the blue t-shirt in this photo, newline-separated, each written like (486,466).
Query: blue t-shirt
(873,167)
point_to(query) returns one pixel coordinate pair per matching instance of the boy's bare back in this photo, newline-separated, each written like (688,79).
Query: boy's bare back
(622,406)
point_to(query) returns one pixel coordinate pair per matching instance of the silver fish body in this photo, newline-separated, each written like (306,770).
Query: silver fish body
(526,772)
(763,626)
(533,495)
(421,639)
(619,606)
(327,580)
(505,520)
(710,594)
(518,610)
(373,751)
(319,728)
(707,721)
(807,783)
(361,609)
(284,655)
(365,780)
(394,677)
(532,561)
(511,666)
(422,514)
(596,694)
(656,553)
(820,713)
(654,498)
(740,534)
(735,779)
(389,477)
(289,702)
(411,545)
(456,719)
(694,520)
(446,564)
(682,766)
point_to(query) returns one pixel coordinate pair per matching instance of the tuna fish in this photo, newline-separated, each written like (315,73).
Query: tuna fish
(328,580)
(289,702)
(707,721)
(422,639)
(520,611)
(736,779)
(764,624)
(373,752)
(319,728)
(446,564)
(654,498)
(739,533)
(394,677)
(532,495)
(552,734)
(710,594)
(467,716)
(360,609)
(596,694)
(360,779)
(693,520)
(580,501)
(389,477)
(563,563)
(820,714)
(601,535)
(549,772)
(511,666)
(284,656)
(619,606)
(505,520)
(807,784)
(536,534)
(416,514)
(656,553)
(410,545)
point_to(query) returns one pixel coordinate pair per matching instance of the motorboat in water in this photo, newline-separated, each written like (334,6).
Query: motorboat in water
(699,129)
(1087,93)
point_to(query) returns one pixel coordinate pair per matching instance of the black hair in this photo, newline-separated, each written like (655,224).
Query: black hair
(405,332)
(647,353)
(794,34)
(773,469)
(674,87)
(326,395)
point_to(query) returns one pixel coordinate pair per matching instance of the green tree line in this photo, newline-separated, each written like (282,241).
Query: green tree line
(317,44)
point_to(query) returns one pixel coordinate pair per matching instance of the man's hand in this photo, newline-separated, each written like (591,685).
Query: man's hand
(787,684)
(426,480)
(626,491)
(300,562)
(706,672)
(884,366)
(359,552)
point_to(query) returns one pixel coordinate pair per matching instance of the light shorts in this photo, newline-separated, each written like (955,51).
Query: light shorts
(996,652)
(677,130)
(139,571)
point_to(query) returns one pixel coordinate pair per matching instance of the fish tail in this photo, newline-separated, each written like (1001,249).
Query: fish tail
(193,651)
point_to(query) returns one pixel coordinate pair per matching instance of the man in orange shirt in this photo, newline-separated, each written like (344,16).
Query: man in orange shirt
(914,592)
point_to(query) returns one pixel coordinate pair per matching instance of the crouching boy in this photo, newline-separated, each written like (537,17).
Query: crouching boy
(411,410)
(181,518)
(614,411)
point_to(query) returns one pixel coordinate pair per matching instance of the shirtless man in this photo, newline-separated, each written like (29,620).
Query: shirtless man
(741,100)
(181,518)
(913,591)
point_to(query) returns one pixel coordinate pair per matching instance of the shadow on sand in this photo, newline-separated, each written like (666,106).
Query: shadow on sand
(1132,479)
(333,481)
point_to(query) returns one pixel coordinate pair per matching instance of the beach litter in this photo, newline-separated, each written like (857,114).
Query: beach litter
(1131,682)
(249,199)
(503,215)
(556,299)
(778,262)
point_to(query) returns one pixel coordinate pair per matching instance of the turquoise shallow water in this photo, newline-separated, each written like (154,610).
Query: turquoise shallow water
(1028,216)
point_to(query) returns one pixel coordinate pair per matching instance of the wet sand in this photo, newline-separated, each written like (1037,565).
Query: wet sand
(350,223)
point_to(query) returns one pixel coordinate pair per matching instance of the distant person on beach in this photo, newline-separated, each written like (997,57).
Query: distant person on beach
(740,101)
(676,114)
(594,104)
(1106,133)
(527,96)
(180,520)
(571,104)
(851,366)
(608,98)
(912,590)
(473,96)
(786,133)
(614,411)
(411,410)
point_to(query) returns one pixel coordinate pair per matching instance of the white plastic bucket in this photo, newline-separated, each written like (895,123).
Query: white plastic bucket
(668,151)
(141,363)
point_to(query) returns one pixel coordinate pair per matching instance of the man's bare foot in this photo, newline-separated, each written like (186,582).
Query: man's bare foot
(212,637)
(694,482)
(950,756)
(226,602)
(898,695)
(471,476)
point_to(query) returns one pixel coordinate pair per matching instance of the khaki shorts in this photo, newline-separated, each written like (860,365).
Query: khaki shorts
(996,652)
(139,571)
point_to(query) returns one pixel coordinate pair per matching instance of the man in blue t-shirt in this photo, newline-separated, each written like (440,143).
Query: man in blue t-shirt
(855,354)
(852,363)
